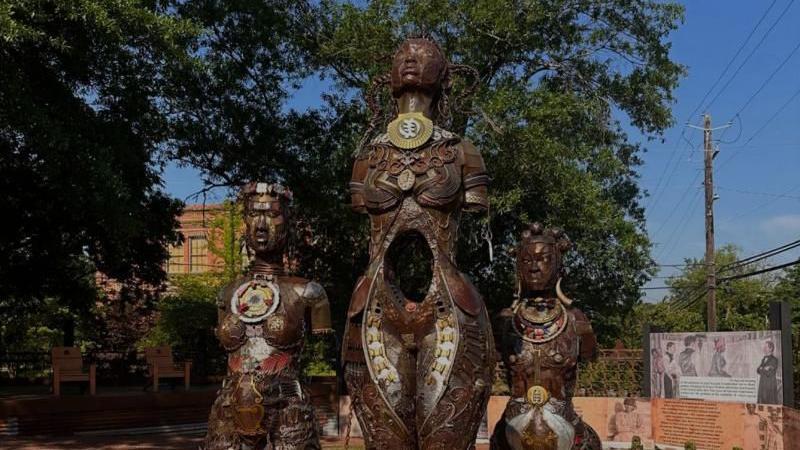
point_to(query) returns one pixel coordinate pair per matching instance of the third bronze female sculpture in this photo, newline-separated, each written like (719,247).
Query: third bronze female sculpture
(543,337)
(419,370)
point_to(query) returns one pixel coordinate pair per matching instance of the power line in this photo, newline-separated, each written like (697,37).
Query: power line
(749,55)
(760,271)
(692,302)
(657,193)
(670,243)
(736,55)
(732,266)
(764,204)
(760,256)
(787,103)
(777,144)
(765,194)
(761,128)
(683,195)
(769,78)
(678,265)
(683,303)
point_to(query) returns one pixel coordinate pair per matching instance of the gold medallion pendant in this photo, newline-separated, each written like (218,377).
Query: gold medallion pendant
(538,395)
(410,130)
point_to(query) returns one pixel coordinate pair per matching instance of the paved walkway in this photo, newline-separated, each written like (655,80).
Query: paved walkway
(144,442)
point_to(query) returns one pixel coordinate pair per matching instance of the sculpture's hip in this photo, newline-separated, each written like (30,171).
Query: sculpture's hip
(549,426)
(253,411)
(419,373)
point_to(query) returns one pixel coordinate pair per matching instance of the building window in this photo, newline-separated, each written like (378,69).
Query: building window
(198,252)
(176,261)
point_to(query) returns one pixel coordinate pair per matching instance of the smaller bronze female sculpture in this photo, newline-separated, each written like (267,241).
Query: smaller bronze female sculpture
(542,337)
(262,326)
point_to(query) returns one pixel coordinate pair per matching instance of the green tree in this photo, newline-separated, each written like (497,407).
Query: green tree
(186,317)
(224,239)
(787,289)
(82,84)
(229,112)
(552,73)
(556,79)
(742,304)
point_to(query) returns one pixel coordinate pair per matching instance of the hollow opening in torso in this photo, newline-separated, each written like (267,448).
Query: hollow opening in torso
(409,265)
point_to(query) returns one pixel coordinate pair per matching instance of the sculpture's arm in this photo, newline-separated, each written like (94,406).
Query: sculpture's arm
(501,327)
(317,301)
(360,167)
(588,342)
(475,179)
(230,330)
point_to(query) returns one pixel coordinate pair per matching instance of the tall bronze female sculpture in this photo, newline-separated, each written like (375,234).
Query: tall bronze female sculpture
(262,326)
(543,336)
(418,368)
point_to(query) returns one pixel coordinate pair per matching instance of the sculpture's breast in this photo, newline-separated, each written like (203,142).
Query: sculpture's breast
(551,364)
(285,328)
(431,175)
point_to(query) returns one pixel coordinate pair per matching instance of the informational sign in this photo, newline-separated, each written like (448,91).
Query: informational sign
(741,366)
(717,425)
(617,420)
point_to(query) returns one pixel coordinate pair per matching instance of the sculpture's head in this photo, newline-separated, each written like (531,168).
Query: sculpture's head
(266,216)
(769,347)
(539,257)
(419,64)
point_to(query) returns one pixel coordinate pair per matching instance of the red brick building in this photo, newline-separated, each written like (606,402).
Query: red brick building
(193,256)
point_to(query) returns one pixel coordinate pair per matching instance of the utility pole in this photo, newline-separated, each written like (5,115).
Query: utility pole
(709,152)
(711,267)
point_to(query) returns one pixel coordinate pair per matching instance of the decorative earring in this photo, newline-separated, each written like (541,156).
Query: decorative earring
(560,294)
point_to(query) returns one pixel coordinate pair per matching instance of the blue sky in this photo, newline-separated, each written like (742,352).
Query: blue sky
(757,176)
(757,172)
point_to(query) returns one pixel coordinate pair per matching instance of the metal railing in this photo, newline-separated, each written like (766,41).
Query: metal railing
(613,376)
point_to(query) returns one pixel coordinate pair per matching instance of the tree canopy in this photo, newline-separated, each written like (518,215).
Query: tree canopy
(97,93)
(556,80)
(82,84)
(742,304)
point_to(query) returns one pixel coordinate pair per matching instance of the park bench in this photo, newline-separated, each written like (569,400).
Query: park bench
(161,365)
(68,366)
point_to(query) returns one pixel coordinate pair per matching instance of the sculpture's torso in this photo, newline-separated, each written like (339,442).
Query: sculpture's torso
(261,399)
(544,355)
(538,361)
(269,347)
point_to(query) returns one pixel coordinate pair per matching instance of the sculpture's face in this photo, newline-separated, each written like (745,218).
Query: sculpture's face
(537,266)
(417,65)
(265,221)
